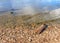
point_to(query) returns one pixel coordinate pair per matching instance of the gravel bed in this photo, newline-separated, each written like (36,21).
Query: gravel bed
(26,35)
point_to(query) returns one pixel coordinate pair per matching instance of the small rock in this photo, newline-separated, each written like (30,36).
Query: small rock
(30,39)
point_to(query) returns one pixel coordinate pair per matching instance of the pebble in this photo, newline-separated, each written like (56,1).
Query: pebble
(30,39)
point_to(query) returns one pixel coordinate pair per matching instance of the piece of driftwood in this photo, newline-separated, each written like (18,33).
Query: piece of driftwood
(41,29)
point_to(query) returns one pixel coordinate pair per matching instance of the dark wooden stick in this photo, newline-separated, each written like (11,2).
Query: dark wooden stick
(41,29)
(44,28)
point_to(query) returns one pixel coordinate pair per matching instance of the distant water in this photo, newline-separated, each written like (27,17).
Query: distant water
(28,6)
